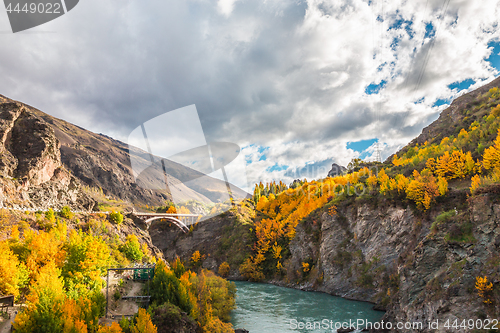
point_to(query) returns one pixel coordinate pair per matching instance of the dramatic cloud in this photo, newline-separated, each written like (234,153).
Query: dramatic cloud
(290,81)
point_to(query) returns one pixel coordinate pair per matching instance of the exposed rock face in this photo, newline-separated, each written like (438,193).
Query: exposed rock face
(363,252)
(336,170)
(367,249)
(31,171)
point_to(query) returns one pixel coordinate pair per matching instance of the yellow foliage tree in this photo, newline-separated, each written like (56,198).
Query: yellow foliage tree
(44,247)
(384,181)
(171,210)
(442,186)
(9,271)
(144,323)
(475,183)
(491,156)
(45,302)
(196,256)
(215,325)
(224,269)
(113,328)
(455,165)
(251,271)
(484,289)
(262,203)
(86,261)
(183,210)
(422,189)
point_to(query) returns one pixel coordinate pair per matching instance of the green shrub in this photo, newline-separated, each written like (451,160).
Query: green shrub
(117,295)
(66,213)
(442,218)
(166,288)
(132,248)
(49,215)
(461,233)
(445,216)
(116,217)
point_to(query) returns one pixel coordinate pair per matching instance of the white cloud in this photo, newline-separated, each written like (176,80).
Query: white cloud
(288,75)
(226,6)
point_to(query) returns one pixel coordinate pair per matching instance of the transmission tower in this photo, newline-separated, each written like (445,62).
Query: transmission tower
(378,157)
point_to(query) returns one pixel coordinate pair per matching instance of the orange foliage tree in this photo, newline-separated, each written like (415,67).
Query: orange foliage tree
(422,189)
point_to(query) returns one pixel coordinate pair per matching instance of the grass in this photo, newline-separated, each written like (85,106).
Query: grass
(461,233)
(442,218)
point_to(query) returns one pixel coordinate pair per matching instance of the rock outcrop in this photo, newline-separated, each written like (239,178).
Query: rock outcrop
(336,170)
(31,171)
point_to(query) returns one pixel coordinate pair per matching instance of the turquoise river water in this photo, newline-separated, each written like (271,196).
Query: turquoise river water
(265,308)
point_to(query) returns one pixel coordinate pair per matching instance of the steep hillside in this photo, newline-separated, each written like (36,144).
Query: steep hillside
(462,112)
(94,160)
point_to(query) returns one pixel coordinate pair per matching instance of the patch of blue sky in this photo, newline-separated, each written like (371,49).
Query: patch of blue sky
(402,23)
(430,31)
(277,167)
(395,43)
(375,88)
(381,66)
(440,102)
(462,85)
(262,150)
(361,146)
(494,58)
(419,101)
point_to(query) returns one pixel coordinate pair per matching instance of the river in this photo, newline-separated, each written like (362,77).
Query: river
(265,308)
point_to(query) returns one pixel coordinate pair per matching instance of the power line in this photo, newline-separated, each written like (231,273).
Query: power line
(426,57)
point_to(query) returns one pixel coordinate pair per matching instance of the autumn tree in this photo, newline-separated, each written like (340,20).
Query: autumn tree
(116,217)
(166,288)
(44,306)
(224,269)
(491,156)
(475,183)
(87,259)
(11,274)
(132,248)
(143,323)
(422,189)
(113,328)
(484,289)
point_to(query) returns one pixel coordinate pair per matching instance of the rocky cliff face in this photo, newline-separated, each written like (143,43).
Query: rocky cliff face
(397,259)
(31,172)
(405,262)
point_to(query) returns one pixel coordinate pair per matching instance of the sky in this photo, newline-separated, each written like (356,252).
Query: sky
(298,85)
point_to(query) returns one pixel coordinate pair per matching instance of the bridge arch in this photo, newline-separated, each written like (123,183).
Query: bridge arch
(175,221)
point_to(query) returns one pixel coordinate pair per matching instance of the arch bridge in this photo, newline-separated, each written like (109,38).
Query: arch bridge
(182,221)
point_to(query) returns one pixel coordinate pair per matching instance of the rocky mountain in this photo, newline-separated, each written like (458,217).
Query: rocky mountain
(336,170)
(45,161)
(31,171)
